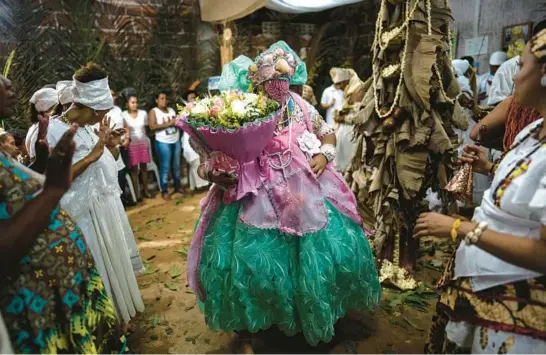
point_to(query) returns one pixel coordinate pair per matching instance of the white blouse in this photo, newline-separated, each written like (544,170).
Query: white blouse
(522,212)
(137,126)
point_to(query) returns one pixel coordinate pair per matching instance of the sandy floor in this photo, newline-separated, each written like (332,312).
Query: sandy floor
(172,322)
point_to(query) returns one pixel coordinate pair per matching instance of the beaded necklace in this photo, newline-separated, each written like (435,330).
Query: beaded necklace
(521,166)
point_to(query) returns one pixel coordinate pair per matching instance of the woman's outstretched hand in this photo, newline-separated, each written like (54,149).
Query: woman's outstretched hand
(476,156)
(59,167)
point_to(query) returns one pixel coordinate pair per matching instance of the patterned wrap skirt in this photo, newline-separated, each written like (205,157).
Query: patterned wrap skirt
(506,319)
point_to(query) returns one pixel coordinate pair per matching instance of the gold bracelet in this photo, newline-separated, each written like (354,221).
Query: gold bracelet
(455,229)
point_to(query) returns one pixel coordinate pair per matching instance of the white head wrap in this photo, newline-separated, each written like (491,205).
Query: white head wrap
(64,91)
(94,94)
(497,58)
(502,85)
(44,99)
(461,66)
(340,75)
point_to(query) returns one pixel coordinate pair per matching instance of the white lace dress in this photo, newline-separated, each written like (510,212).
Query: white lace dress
(93,201)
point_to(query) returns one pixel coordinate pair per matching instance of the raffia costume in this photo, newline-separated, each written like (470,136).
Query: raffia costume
(406,128)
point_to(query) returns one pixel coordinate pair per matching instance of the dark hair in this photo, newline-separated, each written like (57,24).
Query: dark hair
(188,93)
(90,72)
(58,110)
(537,28)
(469,59)
(159,93)
(33,113)
(19,135)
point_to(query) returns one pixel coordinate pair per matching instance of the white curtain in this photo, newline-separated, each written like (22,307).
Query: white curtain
(302,6)
(220,11)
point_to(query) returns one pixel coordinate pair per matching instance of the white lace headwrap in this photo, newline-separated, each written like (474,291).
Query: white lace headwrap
(94,94)
(44,99)
(64,91)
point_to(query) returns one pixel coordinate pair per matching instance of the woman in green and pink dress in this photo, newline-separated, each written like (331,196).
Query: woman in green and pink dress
(291,252)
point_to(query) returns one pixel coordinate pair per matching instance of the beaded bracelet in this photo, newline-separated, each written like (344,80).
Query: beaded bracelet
(473,236)
(455,229)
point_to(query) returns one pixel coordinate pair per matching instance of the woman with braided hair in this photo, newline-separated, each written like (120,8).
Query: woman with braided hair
(494,289)
(291,252)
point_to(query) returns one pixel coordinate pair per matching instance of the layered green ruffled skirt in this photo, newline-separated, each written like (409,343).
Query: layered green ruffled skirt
(255,278)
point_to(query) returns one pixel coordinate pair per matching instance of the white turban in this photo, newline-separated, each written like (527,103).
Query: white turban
(340,75)
(44,99)
(64,91)
(94,94)
(497,58)
(461,66)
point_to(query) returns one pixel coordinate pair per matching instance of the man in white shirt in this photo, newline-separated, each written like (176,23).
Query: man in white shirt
(485,80)
(332,97)
(503,82)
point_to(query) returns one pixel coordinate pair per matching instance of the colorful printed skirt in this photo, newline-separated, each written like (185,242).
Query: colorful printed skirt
(139,152)
(55,302)
(505,319)
(256,278)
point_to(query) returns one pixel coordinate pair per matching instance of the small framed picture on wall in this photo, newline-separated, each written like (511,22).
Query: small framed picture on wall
(514,38)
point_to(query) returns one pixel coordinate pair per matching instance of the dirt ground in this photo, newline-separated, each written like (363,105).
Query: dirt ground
(172,322)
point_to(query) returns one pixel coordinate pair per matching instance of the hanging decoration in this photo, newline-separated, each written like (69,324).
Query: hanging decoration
(406,129)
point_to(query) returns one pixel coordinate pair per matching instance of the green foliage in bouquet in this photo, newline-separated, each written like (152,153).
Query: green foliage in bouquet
(229,110)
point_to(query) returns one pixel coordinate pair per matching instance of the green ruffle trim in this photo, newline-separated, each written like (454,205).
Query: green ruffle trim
(255,278)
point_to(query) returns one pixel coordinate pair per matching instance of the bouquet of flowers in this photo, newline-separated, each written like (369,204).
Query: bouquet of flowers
(235,126)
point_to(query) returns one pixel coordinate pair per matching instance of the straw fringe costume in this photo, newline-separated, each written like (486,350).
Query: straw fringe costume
(406,128)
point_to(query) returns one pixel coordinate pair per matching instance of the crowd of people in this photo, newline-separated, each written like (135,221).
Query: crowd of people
(291,253)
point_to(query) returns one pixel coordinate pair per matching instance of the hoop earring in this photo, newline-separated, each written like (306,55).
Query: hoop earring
(543,81)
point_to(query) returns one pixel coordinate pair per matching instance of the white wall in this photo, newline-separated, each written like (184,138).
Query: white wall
(493,16)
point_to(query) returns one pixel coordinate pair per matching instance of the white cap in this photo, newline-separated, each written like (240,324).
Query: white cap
(497,58)
(44,99)
(461,66)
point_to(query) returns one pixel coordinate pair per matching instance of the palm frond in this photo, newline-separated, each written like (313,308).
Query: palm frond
(7,65)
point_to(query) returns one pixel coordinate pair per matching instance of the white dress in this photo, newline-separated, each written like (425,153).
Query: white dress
(93,201)
(194,161)
(345,146)
(522,212)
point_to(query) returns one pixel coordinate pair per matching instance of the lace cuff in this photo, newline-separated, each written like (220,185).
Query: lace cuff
(329,151)
(320,127)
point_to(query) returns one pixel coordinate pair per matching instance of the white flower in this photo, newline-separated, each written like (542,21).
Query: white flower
(251,98)
(309,143)
(238,107)
(198,109)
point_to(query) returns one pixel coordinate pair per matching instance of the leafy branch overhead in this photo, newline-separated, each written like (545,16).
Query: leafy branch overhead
(151,50)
